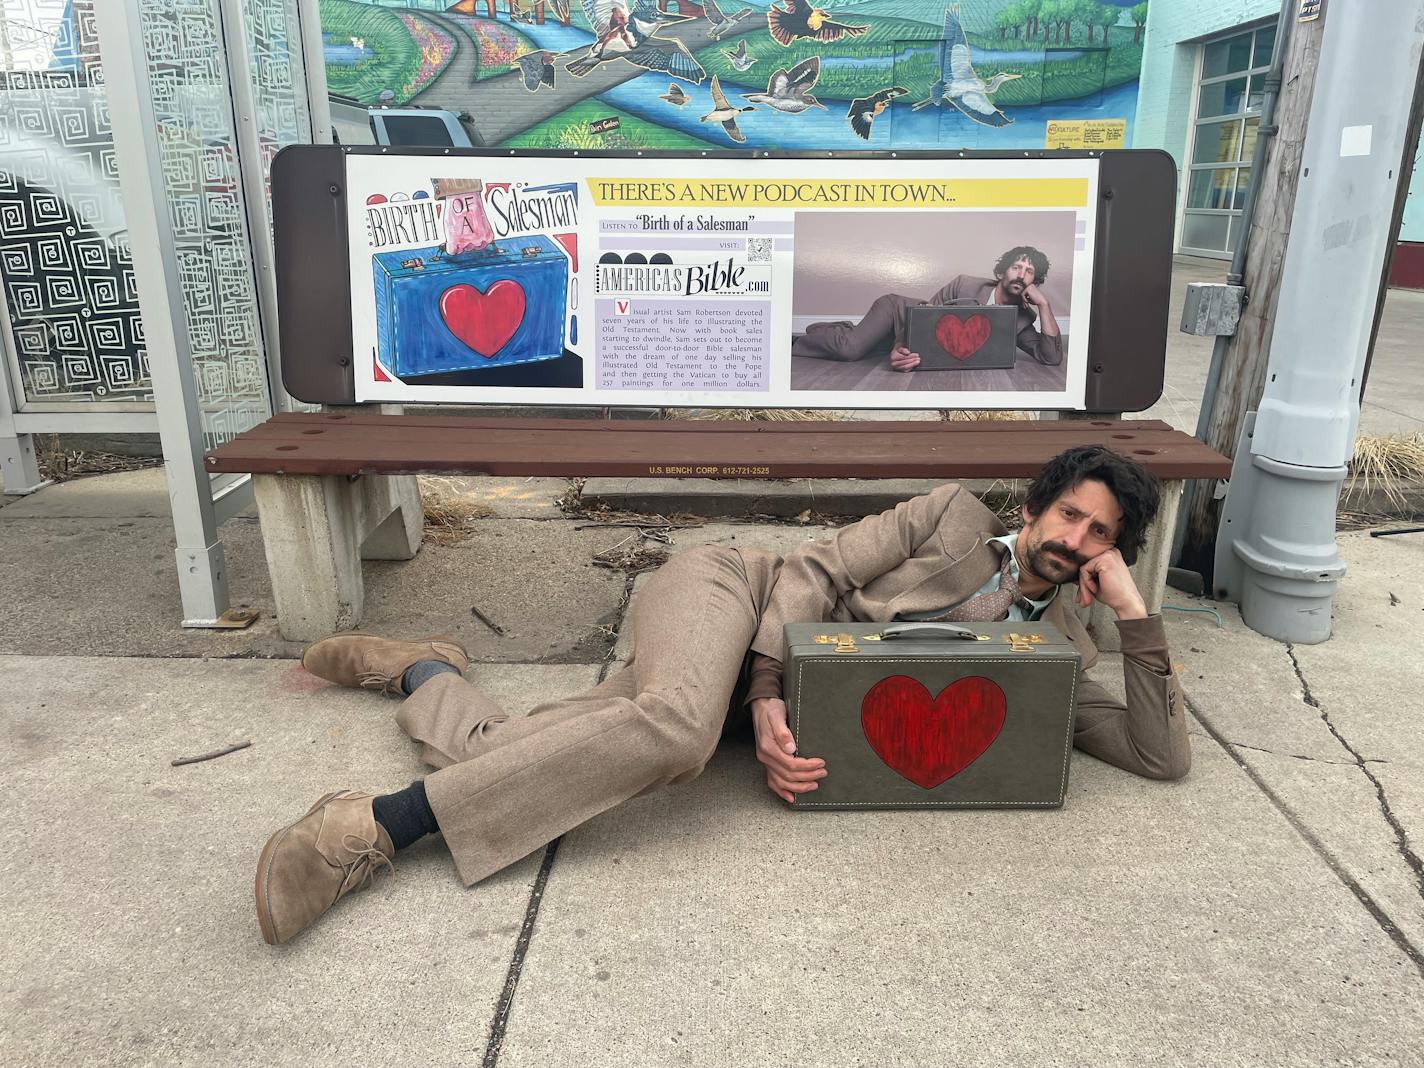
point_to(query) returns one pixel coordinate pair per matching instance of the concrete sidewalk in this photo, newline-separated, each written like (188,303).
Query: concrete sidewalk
(1268,909)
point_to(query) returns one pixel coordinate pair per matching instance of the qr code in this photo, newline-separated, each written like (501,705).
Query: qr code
(759,249)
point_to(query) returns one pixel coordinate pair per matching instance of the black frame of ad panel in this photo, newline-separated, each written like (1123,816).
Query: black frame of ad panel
(1132,270)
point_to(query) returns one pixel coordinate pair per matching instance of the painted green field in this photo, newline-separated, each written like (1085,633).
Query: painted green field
(569,129)
(395,59)
(1046,82)
(869,61)
(902,52)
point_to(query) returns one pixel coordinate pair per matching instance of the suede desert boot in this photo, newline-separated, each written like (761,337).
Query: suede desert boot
(306,868)
(374,663)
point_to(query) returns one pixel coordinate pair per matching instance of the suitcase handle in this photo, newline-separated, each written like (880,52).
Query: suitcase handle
(902,631)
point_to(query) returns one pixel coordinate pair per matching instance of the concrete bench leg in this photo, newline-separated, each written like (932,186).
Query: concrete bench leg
(394,516)
(311,532)
(317,528)
(1150,571)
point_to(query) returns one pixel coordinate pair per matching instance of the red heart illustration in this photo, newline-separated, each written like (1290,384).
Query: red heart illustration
(484,321)
(927,740)
(962,338)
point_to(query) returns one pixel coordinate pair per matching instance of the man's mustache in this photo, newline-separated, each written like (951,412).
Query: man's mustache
(1060,549)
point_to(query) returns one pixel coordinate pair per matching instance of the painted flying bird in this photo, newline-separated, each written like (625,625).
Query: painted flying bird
(739,59)
(538,69)
(722,23)
(675,95)
(958,85)
(800,19)
(791,91)
(724,113)
(864,110)
(626,30)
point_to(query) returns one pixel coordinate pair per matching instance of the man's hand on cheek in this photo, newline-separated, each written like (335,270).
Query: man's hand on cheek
(786,773)
(1105,578)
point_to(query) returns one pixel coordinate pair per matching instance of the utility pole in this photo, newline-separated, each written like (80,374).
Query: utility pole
(1239,362)
(1276,553)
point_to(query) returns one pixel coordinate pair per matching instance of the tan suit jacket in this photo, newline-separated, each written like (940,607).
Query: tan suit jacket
(932,552)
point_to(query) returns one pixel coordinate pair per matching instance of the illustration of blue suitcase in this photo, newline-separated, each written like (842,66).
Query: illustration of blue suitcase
(492,308)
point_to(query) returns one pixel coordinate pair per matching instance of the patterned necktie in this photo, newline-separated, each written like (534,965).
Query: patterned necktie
(993,606)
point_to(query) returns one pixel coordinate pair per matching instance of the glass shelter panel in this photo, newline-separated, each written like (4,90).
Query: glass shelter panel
(73,316)
(197,151)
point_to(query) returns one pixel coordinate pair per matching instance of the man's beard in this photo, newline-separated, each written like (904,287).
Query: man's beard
(1015,296)
(1052,568)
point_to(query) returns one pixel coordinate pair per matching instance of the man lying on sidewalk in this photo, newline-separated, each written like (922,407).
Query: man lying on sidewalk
(507,785)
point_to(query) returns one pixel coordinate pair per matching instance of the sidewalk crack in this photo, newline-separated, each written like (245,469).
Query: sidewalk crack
(1302,756)
(1401,837)
(1373,907)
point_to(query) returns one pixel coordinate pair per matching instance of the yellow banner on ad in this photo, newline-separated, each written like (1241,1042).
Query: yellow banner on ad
(827,193)
(1085,133)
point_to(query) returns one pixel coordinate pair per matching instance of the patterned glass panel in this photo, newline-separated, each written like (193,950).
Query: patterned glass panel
(274,57)
(64,254)
(198,155)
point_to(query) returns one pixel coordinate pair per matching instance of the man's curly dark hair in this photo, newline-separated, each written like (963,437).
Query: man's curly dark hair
(1135,488)
(1024,252)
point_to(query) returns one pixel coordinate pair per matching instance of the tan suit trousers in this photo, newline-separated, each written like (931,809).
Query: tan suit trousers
(507,785)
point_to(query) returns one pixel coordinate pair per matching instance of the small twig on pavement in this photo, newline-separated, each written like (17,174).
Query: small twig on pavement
(487,621)
(213,755)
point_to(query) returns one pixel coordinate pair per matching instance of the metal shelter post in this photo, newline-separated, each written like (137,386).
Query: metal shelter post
(19,466)
(202,571)
(1276,551)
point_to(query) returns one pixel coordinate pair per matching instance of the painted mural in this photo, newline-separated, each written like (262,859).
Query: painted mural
(770,74)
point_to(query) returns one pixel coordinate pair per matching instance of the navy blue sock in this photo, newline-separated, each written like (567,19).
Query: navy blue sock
(405,814)
(421,672)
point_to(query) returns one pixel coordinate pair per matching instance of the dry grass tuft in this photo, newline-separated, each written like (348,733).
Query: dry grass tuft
(58,464)
(974,415)
(757,415)
(1390,465)
(449,511)
(632,555)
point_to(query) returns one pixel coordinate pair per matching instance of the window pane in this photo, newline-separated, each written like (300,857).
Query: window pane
(1221,98)
(1227,57)
(1211,188)
(1257,93)
(1217,142)
(1243,179)
(1205,231)
(1248,143)
(1265,46)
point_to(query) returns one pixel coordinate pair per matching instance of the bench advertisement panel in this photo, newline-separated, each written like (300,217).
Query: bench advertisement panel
(748,283)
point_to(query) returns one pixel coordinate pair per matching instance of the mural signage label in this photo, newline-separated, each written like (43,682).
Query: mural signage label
(1086,133)
(701,283)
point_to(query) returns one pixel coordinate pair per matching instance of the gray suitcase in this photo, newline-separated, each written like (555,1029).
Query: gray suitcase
(933,715)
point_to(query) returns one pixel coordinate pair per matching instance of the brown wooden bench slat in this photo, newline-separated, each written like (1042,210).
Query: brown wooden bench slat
(410,444)
(287,420)
(550,443)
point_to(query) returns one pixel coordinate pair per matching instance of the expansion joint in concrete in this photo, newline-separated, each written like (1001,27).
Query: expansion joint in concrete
(1401,837)
(500,1024)
(1373,907)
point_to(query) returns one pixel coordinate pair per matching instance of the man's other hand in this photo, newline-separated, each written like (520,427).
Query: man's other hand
(1106,578)
(1033,296)
(786,773)
(902,359)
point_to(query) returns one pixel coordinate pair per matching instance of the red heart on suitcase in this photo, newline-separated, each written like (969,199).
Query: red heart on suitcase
(962,338)
(930,739)
(484,321)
